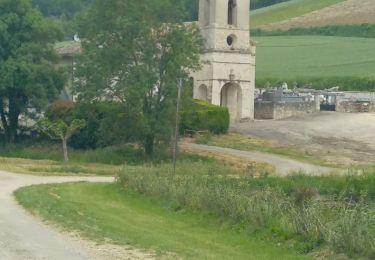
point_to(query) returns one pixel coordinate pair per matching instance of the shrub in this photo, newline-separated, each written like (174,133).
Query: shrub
(311,219)
(345,83)
(60,110)
(108,124)
(347,30)
(202,116)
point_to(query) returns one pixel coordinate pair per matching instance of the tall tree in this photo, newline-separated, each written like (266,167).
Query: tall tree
(28,77)
(61,7)
(135,52)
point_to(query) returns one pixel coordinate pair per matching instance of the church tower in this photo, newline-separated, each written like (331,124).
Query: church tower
(228,74)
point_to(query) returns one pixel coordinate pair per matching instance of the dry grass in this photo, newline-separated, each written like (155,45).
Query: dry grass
(51,168)
(252,143)
(247,167)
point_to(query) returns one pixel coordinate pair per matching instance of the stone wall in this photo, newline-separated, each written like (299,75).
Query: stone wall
(355,107)
(356,102)
(280,110)
(357,96)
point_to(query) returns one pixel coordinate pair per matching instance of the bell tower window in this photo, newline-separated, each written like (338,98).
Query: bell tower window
(232,12)
(207,12)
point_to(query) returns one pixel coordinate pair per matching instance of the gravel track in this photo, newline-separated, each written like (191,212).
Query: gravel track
(283,165)
(23,236)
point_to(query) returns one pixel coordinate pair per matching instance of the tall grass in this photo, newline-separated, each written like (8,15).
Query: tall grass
(44,150)
(303,215)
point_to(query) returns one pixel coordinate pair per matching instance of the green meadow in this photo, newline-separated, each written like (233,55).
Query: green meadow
(287,10)
(107,212)
(293,57)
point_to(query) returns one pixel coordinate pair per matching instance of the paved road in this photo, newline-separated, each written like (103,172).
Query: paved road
(282,164)
(24,237)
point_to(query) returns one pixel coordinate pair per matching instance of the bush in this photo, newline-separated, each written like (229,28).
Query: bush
(345,83)
(202,116)
(107,124)
(60,110)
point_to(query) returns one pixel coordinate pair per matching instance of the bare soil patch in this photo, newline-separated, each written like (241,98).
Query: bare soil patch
(348,12)
(337,138)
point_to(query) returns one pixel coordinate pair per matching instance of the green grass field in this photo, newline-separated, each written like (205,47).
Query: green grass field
(107,211)
(287,10)
(292,57)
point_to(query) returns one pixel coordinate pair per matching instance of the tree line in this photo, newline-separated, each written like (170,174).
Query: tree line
(135,53)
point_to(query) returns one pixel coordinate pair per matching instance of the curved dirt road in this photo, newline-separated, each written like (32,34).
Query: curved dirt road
(282,164)
(22,236)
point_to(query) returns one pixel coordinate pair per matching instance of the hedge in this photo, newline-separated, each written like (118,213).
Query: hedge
(346,30)
(345,83)
(203,116)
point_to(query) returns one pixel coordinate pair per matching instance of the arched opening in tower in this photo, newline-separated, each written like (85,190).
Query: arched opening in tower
(231,97)
(232,6)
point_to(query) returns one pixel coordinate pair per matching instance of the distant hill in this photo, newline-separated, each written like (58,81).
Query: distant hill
(287,10)
(313,13)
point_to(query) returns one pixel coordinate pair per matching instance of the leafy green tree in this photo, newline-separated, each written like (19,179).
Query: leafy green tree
(136,54)
(28,77)
(61,7)
(61,131)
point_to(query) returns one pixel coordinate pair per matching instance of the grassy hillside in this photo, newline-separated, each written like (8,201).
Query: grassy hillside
(294,57)
(314,13)
(287,10)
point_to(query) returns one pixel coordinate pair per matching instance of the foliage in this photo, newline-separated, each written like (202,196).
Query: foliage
(348,30)
(136,54)
(200,116)
(61,7)
(107,123)
(28,77)
(257,209)
(333,61)
(60,130)
(287,10)
(60,110)
(322,83)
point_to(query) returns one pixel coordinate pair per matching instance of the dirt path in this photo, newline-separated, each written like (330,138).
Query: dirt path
(283,165)
(22,236)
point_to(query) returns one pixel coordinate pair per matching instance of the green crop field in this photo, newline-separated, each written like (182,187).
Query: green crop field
(292,57)
(287,10)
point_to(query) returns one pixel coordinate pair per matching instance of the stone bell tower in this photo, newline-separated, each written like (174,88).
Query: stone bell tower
(228,74)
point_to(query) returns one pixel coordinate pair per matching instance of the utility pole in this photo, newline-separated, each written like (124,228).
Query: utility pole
(177,125)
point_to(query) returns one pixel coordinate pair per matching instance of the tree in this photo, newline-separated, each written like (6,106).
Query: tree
(61,131)
(28,77)
(136,53)
(61,7)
